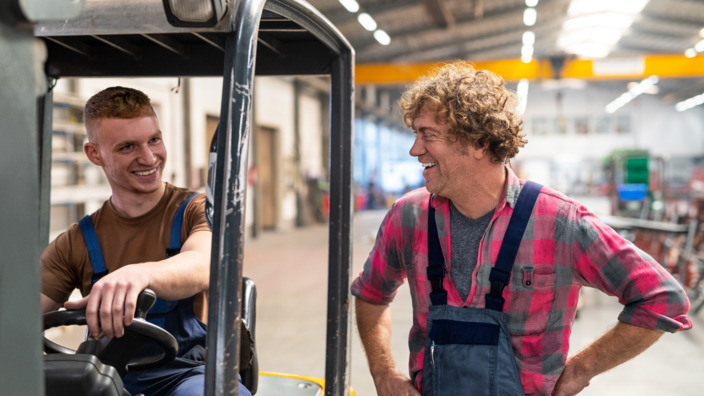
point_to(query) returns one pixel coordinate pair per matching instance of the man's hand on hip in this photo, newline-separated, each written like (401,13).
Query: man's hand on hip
(395,383)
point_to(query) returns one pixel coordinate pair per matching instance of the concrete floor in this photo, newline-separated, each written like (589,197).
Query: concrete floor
(290,271)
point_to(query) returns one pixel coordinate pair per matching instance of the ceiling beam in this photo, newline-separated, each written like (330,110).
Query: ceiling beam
(636,67)
(463,30)
(467,30)
(339,15)
(440,13)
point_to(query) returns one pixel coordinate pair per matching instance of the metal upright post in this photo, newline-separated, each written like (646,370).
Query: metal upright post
(688,249)
(224,313)
(337,368)
(20,322)
(23,82)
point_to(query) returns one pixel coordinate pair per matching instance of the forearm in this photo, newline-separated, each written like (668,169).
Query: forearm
(113,298)
(178,277)
(374,324)
(620,344)
(182,275)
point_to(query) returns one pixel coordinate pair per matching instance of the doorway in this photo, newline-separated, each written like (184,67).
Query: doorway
(266,162)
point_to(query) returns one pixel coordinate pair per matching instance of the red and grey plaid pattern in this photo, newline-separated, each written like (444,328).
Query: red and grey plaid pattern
(564,248)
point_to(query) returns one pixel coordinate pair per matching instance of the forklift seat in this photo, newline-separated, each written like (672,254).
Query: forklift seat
(81,374)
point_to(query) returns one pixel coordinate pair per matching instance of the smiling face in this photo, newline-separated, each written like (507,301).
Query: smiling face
(131,152)
(447,164)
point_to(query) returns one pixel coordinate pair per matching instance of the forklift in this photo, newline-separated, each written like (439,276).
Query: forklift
(45,40)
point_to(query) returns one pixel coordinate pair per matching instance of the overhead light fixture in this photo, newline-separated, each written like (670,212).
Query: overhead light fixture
(530,15)
(631,94)
(194,13)
(603,19)
(690,103)
(583,7)
(699,47)
(591,50)
(690,53)
(528,38)
(522,93)
(382,37)
(652,89)
(350,5)
(367,21)
(594,27)
(531,3)
(527,52)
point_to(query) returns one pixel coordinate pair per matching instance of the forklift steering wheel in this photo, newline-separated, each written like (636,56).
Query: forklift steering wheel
(119,352)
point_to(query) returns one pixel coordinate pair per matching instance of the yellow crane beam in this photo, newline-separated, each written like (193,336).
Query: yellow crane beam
(636,67)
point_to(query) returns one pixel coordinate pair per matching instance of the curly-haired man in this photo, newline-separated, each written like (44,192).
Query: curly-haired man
(495,263)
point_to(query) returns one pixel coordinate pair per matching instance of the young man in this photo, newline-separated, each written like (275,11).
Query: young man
(133,232)
(495,263)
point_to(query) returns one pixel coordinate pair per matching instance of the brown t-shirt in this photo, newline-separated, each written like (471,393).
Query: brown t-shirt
(123,240)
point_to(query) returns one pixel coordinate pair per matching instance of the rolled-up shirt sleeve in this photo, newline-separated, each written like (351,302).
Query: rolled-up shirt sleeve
(651,296)
(382,274)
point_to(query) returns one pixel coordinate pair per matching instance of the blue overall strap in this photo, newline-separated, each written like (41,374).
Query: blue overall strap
(175,240)
(436,261)
(501,272)
(94,252)
(161,308)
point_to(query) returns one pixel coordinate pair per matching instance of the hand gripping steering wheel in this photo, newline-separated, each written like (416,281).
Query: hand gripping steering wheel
(119,352)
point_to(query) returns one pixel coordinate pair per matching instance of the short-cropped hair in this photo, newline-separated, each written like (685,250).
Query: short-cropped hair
(116,102)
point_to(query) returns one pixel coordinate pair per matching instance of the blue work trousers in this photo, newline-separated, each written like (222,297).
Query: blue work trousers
(179,378)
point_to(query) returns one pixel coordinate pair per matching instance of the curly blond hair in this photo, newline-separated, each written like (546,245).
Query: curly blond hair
(475,104)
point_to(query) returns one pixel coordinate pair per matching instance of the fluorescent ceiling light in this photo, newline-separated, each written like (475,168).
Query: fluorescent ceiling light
(350,5)
(699,47)
(582,7)
(701,32)
(690,53)
(522,93)
(528,38)
(530,15)
(600,35)
(631,94)
(690,103)
(644,85)
(367,21)
(527,51)
(610,19)
(531,3)
(650,90)
(590,50)
(595,26)
(382,37)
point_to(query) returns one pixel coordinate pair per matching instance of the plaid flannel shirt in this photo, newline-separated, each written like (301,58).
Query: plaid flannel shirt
(564,248)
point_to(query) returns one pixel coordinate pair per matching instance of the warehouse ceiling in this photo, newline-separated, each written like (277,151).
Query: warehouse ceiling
(430,31)
(435,30)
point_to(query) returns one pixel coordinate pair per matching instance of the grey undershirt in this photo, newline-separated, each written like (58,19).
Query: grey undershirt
(466,234)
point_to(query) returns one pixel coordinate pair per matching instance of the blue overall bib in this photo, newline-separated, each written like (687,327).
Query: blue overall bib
(186,372)
(468,350)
